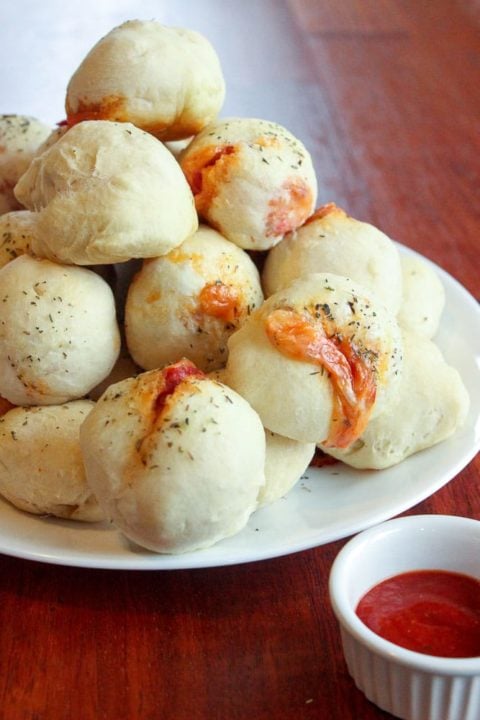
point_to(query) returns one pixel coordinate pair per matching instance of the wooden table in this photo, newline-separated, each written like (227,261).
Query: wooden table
(386,96)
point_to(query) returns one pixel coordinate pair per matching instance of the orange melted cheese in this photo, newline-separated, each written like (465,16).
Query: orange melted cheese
(205,170)
(302,338)
(267,141)
(220,301)
(289,209)
(154,394)
(110,108)
(324,210)
(115,108)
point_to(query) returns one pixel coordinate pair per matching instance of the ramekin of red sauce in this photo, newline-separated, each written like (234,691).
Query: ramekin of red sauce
(406,594)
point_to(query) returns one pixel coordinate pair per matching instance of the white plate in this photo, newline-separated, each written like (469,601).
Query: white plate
(327,504)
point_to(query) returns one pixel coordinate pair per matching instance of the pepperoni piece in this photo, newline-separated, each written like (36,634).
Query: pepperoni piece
(171,377)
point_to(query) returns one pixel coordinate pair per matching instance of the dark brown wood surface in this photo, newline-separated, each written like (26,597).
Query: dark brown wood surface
(390,93)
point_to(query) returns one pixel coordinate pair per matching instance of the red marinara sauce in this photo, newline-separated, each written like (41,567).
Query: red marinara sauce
(173,375)
(435,612)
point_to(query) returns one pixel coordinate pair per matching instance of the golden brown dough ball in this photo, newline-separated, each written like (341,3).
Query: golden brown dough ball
(318,359)
(106,192)
(41,467)
(331,241)
(58,331)
(285,459)
(252,180)
(20,136)
(188,302)
(17,229)
(171,85)
(175,459)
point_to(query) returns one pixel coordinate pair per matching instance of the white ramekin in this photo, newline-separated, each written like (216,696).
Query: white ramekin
(407,684)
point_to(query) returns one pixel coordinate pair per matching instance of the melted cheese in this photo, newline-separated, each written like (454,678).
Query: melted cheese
(301,337)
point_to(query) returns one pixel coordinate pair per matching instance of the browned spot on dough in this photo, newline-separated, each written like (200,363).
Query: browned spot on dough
(115,108)
(154,296)
(110,108)
(324,210)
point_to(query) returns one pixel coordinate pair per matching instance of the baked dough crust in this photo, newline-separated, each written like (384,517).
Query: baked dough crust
(58,331)
(41,467)
(171,85)
(106,192)
(295,397)
(331,241)
(285,459)
(252,180)
(423,298)
(17,229)
(20,136)
(285,462)
(188,302)
(431,404)
(179,475)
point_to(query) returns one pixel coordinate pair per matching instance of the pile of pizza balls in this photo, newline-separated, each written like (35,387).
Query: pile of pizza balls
(182,322)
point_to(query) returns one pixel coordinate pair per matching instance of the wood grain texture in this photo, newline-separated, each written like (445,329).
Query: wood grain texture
(403,101)
(388,94)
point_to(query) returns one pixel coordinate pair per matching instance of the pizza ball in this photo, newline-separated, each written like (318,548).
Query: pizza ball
(432,403)
(331,241)
(423,297)
(317,360)
(41,467)
(165,80)
(58,331)
(17,229)
(20,137)
(175,459)
(106,192)
(188,302)
(285,459)
(252,180)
